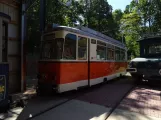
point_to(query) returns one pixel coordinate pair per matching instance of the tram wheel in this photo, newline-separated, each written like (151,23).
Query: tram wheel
(121,76)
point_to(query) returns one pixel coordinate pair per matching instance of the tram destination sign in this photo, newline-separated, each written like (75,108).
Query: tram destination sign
(49,37)
(2,87)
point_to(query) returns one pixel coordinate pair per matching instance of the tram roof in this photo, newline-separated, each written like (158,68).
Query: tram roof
(87,32)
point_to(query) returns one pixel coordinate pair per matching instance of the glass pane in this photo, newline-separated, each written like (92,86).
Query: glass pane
(52,49)
(82,48)
(57,48)
(117,53)
(122,54)
(46,49)
(110,54)
(101,52)
(154,49)
(93,41)
(70,47)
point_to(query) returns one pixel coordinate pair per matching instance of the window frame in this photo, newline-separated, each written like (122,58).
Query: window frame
(75,47)
(53,40)
(105,46)
(117,48)
(111,47)
(78,48)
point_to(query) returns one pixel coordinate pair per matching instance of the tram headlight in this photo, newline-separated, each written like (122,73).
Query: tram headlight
(133,64)
(130,65)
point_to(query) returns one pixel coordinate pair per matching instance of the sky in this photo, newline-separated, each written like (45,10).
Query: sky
(119,4)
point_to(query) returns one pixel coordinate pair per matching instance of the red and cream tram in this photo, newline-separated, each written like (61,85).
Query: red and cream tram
(78,57)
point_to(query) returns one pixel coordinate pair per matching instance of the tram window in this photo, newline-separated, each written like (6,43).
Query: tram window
(110,52)
(46,49)
(122,54)
(70,47)
(101,51)
(93,41)
(117,53)
(57,49)
(82,48)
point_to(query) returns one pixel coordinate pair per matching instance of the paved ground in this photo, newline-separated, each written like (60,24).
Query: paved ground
(96,103)
(144,100)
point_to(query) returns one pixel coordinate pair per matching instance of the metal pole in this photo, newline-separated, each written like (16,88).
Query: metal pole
(42,15)
(99,16)
(23,27)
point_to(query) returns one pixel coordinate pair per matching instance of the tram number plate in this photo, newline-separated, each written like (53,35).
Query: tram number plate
(2,87)
(49,37)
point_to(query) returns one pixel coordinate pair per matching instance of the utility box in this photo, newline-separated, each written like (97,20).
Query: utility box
(4,78)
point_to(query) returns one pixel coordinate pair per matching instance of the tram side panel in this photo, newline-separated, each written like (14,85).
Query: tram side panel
(67,76)
(99,71)
(104,71)
(49,72)
(64,76)
(73,75)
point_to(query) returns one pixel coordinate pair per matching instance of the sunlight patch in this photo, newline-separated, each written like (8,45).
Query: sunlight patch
(101,117)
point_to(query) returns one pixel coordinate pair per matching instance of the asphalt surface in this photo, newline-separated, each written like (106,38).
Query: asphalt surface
(119,99)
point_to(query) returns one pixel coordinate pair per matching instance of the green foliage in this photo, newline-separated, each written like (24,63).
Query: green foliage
(96,15)
(140,16)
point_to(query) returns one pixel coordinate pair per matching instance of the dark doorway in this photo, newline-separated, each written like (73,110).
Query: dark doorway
(4,41)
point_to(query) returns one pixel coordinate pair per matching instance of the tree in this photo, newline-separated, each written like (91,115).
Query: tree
(117,16)
(130,27)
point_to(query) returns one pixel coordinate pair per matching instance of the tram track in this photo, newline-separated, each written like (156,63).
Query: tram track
(55,106)
(80,93)
(117,104)
(48,109)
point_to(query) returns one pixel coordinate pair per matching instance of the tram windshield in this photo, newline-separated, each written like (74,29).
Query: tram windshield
(52,49)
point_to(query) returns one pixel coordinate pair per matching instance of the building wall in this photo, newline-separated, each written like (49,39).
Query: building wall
(12,8)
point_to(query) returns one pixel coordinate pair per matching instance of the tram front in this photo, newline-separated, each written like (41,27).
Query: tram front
(48,65)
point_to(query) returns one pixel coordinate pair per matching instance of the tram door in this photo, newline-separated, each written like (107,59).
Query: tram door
(91,57)
(3,40)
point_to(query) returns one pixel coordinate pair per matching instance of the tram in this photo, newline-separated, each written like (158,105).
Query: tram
(78,57)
